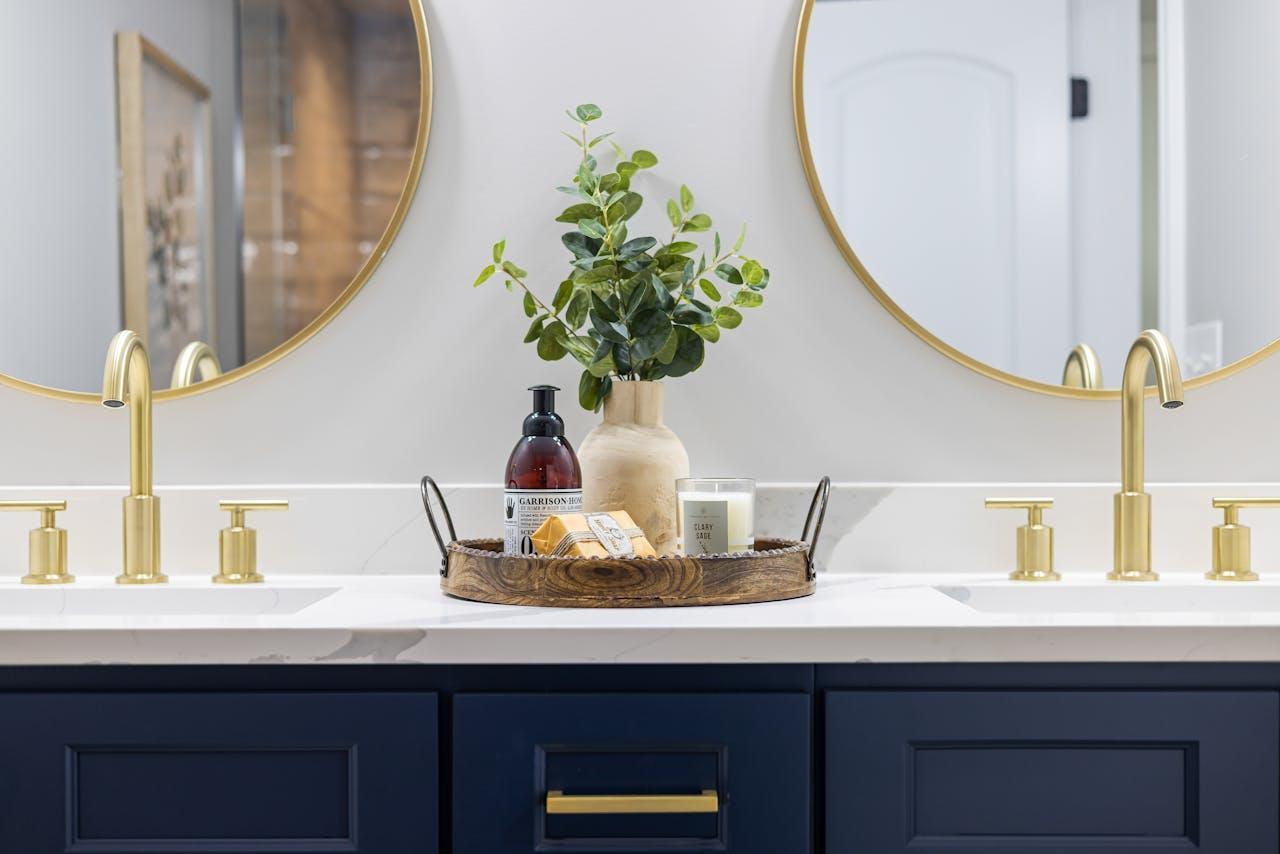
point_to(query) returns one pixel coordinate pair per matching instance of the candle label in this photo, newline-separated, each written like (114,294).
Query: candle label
(706,527)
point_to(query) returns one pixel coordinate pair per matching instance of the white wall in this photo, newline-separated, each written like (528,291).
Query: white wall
(422,373)
(59,232)
(1233,136)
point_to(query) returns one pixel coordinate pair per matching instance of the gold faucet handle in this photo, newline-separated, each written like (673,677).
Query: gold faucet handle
(46,545)
(1035,539)
(238,543)
(1231,548)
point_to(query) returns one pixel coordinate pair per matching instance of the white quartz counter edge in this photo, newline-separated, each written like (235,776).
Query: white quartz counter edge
(363,619)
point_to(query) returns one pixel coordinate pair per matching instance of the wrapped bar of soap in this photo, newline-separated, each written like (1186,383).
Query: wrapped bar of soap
(612,534)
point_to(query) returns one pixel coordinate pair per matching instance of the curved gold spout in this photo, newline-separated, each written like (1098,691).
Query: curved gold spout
(195,358)
(1132,503)
(126,380)
(1083,369)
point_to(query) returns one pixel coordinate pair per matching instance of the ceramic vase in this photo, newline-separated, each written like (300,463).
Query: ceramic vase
(630,461)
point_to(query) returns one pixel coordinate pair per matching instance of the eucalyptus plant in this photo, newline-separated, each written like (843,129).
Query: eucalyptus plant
(631,307)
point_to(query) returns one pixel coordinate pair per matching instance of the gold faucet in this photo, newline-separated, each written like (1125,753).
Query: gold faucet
(1083,368)
(195,358)
(127,380)
(1132,503)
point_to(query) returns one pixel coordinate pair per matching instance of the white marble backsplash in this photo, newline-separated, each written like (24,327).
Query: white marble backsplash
(346,529)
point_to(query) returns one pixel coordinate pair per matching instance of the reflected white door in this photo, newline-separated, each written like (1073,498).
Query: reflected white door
(941,133)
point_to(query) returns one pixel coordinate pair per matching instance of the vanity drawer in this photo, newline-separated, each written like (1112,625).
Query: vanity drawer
(738,765)
(1052,772)
(159,773)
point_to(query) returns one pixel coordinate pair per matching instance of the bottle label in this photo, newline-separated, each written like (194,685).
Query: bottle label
(524,511)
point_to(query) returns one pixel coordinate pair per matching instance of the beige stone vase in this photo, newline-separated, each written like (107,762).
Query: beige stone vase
(631,460)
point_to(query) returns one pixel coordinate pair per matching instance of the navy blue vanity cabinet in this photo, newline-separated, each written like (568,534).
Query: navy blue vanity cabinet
(750,750)
(175,773)
(1052,772)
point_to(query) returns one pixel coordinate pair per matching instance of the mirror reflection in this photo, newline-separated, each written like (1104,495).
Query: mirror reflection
(209,173)
(1025,176)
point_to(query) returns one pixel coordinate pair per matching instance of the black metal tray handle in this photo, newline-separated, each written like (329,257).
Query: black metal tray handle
(812,522)
(429,486)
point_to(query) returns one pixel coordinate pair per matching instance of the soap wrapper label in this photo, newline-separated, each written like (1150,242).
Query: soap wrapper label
(706,527)
(524,511)
(599,535)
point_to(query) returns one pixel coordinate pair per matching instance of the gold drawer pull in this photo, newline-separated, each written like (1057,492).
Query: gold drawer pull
(558,803)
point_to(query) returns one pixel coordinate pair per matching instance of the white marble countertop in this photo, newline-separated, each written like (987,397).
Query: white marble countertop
(852,618)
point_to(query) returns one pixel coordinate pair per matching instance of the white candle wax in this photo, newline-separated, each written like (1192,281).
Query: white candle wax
(715,522)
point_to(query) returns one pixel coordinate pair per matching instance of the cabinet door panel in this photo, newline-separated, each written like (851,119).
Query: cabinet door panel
(161,773)
(1052,772)
(511,750)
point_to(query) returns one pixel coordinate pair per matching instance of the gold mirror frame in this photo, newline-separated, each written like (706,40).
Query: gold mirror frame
(860,270)
(348,293)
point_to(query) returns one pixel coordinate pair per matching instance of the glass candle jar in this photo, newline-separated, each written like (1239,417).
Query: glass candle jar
(715,515)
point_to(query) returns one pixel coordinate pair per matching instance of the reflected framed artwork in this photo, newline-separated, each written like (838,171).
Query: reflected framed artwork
(166,200)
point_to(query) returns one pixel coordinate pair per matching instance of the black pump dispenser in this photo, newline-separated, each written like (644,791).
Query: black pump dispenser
(543,420)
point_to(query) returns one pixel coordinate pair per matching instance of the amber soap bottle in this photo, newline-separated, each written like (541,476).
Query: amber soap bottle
(543,475)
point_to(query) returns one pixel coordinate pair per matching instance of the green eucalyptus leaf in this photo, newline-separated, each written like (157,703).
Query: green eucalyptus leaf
(690,351)
(715,246)
(709,333)
(622,358)
(575,314)
(729,273)
(747,298)
(580,348)
(636,247)
(686,198)
(589,389)
(551,342)
(651,329)
(580,245)
(563,293)
(673,213)
(513,271)
(697,222)
(611,183)
(644,159)
(626,168)
(632,202)
(668,351)
(764,280)
(587,181)
(588,112)
(595,275)
(742,235)
(530,307)
(603,309)
(591,228)
(484,276)
(729,318)
(573,213)
(691,315)
(609,330)
(709,289)
(498,249)
(679,247)
(752,272)
(599,139)
(602,363)
(535,329)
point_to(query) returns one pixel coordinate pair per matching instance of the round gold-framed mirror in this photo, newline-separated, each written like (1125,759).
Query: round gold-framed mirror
(890,97)
(230,174)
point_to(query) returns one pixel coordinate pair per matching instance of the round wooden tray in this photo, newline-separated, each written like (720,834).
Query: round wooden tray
(479,571)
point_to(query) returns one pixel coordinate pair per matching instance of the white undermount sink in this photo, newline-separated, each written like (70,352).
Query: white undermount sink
(1117,597)
(160,600)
